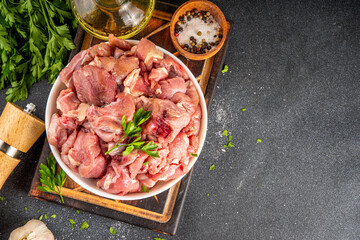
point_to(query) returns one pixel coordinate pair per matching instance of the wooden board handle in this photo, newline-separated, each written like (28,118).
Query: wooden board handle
(7,165)
(19,129)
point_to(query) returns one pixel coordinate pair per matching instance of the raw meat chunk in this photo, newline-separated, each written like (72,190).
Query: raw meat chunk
(67,101)
(94,85)
(86,152)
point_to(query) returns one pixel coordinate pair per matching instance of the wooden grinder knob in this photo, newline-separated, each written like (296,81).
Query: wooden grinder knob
(20,130)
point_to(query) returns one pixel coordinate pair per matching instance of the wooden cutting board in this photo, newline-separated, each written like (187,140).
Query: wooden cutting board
(160,213)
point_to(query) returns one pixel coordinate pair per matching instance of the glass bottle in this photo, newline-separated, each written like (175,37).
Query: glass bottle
(123,18)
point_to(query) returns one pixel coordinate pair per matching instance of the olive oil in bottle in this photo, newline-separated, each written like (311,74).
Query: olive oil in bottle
(123,18)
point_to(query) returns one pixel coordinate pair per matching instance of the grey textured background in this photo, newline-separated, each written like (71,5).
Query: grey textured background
(295,67)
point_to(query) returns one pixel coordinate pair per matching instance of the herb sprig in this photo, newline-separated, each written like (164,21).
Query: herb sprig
(50,180)
(35,39)
(132,129)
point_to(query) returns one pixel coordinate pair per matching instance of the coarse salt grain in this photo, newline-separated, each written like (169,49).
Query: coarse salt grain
(191,28)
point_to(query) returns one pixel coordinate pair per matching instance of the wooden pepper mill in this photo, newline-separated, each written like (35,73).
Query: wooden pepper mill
(19,130)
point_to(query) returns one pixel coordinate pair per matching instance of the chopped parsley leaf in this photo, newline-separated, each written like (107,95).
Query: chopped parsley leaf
(41,217)
(225,69)
(259,140)
(39,210)
(77,212)
(25,209)
(230,144)
(244,109)
(155,238)
(112,231)
(84,225)
(144,188)
(1,198)
(72,222)
(53,216)
(225,133)
(207,194)
(212,167)
(45,216)
(193,154)
(146,163)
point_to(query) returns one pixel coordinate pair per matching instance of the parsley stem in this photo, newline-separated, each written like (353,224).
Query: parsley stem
(116,146)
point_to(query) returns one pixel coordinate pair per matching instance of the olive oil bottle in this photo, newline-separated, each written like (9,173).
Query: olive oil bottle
(123,18)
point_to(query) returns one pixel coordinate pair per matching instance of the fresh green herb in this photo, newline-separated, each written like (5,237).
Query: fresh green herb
(25,209)
(229,144)
(244,109)
(12,172)
(25,222)
(53,216)
(77,212)
(156,238)
(225,69)
(207,194)
(212,167)
(39,210)
(132,129)
(112,231)
(51,182)
(146,163)
(1,199)
(72,222)
(259,140)
(84,225)
(34,42)
(193,154)
(144,188)
(41,217)
(45,216)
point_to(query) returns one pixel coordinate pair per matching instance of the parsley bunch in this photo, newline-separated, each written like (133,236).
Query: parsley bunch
(50,180)
(132,129)
(34,42)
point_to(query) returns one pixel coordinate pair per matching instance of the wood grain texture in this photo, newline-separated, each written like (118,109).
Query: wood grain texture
(19,129)
(160,213)
(7,165)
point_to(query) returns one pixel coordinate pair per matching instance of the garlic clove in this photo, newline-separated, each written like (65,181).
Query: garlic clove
(32,230)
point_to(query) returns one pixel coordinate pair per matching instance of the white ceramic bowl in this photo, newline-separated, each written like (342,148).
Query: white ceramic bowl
(90,184)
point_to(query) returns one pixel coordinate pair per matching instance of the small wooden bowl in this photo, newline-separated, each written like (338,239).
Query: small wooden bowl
(201,5)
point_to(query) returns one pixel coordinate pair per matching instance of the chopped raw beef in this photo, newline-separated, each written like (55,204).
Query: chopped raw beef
(86,154)
(117,180)
(158,74)
(178,149)
(66,74)
(124,66)
(174,69)
(106,121)
(99,50)
(57,133)
(135,85)
(118,52)
(171,86)
(166,121)
(148,53)
(188,101)
(65,151)
(118,42)
(193,127)
(118,67)
(94,85)
(108,81)
(67,101)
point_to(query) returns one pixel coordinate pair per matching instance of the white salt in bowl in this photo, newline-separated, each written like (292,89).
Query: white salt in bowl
(90,184)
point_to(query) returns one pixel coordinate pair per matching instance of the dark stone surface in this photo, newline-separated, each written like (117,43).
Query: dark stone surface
(295,67)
